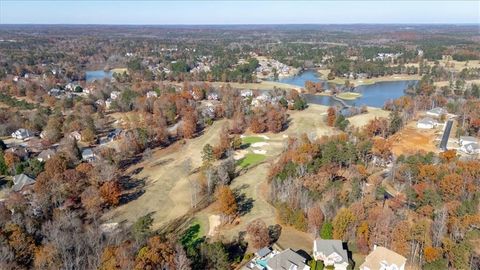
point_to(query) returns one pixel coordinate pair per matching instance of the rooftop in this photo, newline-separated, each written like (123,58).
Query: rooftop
(381,256)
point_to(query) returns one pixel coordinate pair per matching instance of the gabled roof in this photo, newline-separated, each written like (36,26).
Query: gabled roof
(427,121)
(286,259)
(468,139)
(438,111)
(87,153)
(22,180)
(264,252)
(46,154)
(328,247)
(382,256)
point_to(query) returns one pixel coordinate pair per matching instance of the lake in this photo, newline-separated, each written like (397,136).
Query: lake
(373,95)
(92,75)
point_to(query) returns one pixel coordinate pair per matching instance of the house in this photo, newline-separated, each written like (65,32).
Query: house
(331,252)
(470,148)
(70,87)
(100,103)
(287,260)
(263,252)
(261,257)
(108,103)
(20,181)
(152,94)
(55,92)
(383,259)
(426,123)
(114,95)
(45,155)
(112,135)
(212,96)
(22,134)
(437,112)
(88,90)
(88,155)
(75,135)
(261,99)
(208,111)
(464,140)
(246,93)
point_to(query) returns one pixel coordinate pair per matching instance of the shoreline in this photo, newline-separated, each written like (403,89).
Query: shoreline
(358,82)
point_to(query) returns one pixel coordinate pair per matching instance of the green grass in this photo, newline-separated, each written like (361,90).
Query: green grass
(358,258)
(251,159)
(252,139)
(192,236)
(316,265)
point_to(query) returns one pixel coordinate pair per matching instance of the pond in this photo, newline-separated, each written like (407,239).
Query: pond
(92,75)
(373,95)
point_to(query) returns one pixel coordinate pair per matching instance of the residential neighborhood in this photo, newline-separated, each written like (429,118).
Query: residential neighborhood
(239,135)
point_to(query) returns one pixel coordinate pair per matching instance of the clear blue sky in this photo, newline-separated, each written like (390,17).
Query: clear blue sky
(237,12)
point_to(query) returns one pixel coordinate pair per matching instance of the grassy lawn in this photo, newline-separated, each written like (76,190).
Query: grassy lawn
(192,235)
(358,259)
(316,265)
(349,95)
(251,159)
(252,139)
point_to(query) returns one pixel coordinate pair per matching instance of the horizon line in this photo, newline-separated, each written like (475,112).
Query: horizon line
(244,24)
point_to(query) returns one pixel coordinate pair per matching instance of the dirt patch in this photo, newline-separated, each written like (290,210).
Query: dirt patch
(411,140)
(214,222)
(239,154)
(259,144)
(261,152)
(292,238)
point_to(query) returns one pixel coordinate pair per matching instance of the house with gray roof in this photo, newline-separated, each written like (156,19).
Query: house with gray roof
(20,181)
(437,112)
(426,123)
(263,252)
(287,260)
(45,155)
(22,134)
(88,155)
(471,148)
(331,252)
(464,140)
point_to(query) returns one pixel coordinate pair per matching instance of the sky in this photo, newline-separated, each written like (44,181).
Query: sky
(237,12)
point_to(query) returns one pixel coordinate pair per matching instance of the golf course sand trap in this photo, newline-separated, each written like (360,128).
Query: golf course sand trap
(239,154)
(213,223)
(259,144)
(264,136)
(261,152)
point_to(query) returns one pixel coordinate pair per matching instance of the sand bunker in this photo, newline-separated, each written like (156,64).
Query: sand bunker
(259,144)
(261,152)
(239,154)
(214,222)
